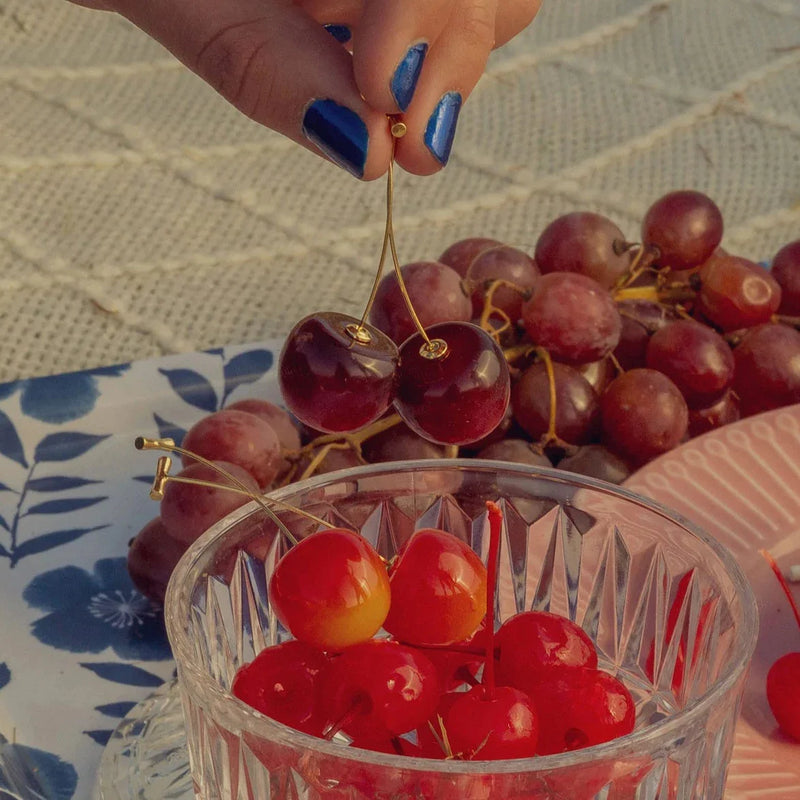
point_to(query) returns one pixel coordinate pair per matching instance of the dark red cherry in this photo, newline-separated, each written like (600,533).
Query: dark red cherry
(332,380)
(458,397)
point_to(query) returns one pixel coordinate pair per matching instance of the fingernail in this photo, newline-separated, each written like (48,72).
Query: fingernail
(405,77)
(339,32)
(339,132)
(441,129)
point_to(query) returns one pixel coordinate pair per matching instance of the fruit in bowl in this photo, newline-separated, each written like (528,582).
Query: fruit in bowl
(630,593)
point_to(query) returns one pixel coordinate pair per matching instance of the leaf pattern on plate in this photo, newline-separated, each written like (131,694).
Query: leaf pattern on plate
(128,674)
(10,443)
(193,387)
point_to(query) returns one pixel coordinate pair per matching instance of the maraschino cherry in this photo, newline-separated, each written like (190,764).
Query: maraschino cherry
(331,590)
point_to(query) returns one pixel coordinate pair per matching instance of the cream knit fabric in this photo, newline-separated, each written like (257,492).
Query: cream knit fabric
(141,215)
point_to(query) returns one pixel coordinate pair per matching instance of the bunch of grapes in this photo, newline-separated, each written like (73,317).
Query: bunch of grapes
(594,355)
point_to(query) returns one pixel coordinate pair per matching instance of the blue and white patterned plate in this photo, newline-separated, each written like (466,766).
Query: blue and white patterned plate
(79,646)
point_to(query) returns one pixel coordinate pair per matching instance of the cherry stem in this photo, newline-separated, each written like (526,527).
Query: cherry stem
(360,704)
(495,530)
(784,584)
(168,445)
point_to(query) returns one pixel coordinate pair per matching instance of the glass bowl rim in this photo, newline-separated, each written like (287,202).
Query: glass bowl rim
(177,608)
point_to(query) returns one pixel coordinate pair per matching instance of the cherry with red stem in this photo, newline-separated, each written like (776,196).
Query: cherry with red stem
(783,678)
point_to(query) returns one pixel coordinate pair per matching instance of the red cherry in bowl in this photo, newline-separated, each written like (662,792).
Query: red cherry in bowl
(438,586)
(378,689)
(489,726)
(531,645)
(331,590)
(280,682)
(581,707)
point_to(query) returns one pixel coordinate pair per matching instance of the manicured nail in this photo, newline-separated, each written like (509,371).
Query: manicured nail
(339,132)
(405,77)
(339,32)
(441,129)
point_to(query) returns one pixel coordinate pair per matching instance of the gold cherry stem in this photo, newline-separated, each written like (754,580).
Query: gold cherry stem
(167,445)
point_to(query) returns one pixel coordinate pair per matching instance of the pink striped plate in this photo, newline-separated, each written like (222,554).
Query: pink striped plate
(741,483)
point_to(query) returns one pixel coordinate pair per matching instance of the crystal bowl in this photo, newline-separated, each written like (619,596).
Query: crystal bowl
(670,613)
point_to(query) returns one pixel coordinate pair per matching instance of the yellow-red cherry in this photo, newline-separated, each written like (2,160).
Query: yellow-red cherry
(331,590)
(438,590)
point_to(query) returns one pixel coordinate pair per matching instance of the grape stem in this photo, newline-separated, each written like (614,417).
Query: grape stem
(489,309)
(671,294)
(644,257)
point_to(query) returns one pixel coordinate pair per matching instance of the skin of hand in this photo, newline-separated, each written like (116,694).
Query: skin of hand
(326,73)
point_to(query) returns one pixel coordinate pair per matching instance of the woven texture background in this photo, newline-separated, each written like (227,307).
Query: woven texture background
(140,215)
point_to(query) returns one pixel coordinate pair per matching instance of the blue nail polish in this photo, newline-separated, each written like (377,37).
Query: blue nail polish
(339,32)
(441,129)
(405,77)
(339,132)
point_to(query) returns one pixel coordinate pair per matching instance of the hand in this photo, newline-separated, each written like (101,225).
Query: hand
(275,62)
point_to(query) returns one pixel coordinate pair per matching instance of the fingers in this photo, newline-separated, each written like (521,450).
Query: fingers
(454,64)
(278,66)
(513,16)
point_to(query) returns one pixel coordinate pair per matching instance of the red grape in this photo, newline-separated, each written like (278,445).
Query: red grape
(331,590)
(583,242)
(577,406)
(152,557)
(518,451)
(330,380)
(640,319)
(456,398)
(573,317)
(685,226)
(643,415)
(461,254)
(238,438)
(736,293)
(435,292)
(696,358)
(596,461)
(282,424)
(767,368)
(438,587)
(723,412)
(786,271)
(399,443)
(188,510)
(507,264)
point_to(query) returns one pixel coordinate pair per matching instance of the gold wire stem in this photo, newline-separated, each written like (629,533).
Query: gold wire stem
(552,434)
(168,445)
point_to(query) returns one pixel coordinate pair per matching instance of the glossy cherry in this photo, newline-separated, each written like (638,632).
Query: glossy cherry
(438,588)
(783,693)
(280,683)
(378,689)
(331,590)
(335,374)
(582,707)
(454,398)
(532,645)
(492,725)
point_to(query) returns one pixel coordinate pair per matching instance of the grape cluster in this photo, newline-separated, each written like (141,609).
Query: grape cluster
(594,355)
(443,684)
